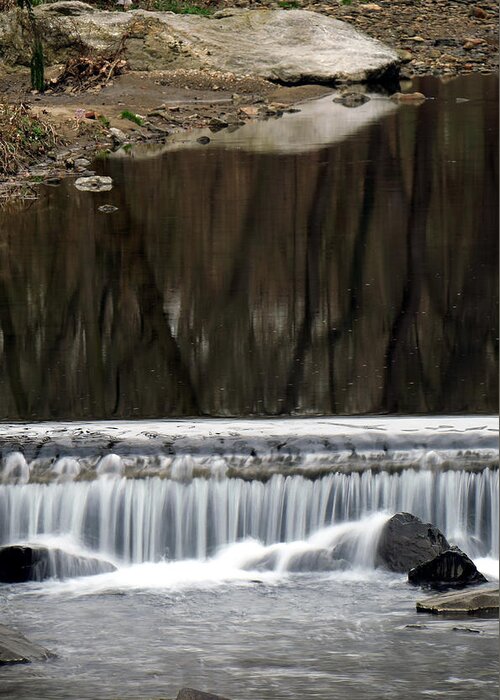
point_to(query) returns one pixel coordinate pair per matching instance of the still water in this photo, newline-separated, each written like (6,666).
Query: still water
(334,261)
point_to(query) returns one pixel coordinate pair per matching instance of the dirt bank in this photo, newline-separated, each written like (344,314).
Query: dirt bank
(440,37)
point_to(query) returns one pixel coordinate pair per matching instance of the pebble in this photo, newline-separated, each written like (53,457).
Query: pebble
(107,208)
(117,135)
(82,163)
(203,140)
(414,97)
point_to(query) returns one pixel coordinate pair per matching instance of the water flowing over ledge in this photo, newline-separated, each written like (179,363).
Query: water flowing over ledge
(250,449)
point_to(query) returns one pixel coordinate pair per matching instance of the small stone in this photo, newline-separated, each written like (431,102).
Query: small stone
(216,124)
(250,111)
(405,56)
(417,38)
(415,97)
(107,208)
(90,114)
(82,163)
(459,100)
(472,44)
(203,140)
(53,181)
(352,99)
(96,183)
(117,135)
(479,13)
(370,7)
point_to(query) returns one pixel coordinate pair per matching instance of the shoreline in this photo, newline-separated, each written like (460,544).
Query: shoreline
(427,40)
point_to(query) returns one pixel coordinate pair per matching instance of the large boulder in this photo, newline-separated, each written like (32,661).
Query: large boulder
(478,602)
(20,563)
(289,46)
(406,542)
(15,648)
(451,569)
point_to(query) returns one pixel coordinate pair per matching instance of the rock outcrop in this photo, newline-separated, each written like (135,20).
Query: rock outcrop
(288,46)
(16,649)
(478,602)
(406,542)
(20,563)
(451,569)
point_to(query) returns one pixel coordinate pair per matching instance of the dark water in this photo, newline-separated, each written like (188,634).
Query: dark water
(355,277)
(328,639)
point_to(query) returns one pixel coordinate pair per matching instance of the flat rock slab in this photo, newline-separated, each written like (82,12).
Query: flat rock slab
(15,648)
(481,603)
(288,46)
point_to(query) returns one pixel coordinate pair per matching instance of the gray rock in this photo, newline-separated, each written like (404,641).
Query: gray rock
(289,46)
(352,99)
(478,602)
(95,183)
(15,648)
(107,208)
(192,694)
(451,569)
(406,542)
(117,135)
(20,563)
(82,163)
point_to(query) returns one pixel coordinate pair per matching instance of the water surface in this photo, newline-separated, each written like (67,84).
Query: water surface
(343,271)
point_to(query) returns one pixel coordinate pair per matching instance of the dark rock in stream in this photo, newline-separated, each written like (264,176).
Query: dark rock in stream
(20,563)
(451,569)
(406,542)
(16,649)
(192,694)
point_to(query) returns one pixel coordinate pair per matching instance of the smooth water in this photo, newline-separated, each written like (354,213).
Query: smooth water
(341,263)
(348,267)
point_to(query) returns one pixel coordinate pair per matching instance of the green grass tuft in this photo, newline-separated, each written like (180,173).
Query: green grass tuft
(127,114)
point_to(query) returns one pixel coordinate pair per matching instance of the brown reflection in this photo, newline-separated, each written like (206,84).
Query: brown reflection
(360,278)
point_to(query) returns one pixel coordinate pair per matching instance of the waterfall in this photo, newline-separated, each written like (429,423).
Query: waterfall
(150,519)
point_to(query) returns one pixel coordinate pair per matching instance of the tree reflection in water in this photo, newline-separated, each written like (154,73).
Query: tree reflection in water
(359,278)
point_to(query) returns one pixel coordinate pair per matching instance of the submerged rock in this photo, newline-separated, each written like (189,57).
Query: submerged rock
(406,542)
(451,569)
(352,99)
(289,46)
(20,563)
(478,602)
(16,649)
(192,694)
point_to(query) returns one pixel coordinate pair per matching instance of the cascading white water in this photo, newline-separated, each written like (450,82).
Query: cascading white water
(140,520)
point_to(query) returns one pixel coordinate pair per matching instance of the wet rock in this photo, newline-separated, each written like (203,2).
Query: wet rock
(352,99)
(414,97)
(107,208)
(95,183)
(203,140)
(192,694)
(406,542)
(478,602)
(215,124)
(16,649)
(20,563)
(451,569)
